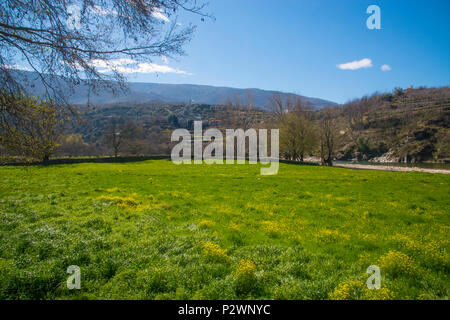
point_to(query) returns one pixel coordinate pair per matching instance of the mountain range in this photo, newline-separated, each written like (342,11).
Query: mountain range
(139,92)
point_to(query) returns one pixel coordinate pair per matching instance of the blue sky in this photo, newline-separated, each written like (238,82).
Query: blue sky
(295,46)
(316,48)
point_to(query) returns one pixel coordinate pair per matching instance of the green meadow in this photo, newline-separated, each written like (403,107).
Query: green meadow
(154,230)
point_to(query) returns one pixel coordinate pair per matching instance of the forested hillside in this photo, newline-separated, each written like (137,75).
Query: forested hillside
(410,125)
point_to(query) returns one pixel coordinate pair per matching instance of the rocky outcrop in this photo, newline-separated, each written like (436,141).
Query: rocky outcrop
(388,157)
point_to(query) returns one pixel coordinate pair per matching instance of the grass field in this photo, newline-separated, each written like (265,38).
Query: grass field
(153,230)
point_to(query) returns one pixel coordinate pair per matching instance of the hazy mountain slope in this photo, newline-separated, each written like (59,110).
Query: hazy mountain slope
(168,93)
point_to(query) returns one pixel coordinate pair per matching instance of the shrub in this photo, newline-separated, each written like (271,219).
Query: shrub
(245,277)
(357,290)
(351,290)
(214,251)
(396,263)
(123,202)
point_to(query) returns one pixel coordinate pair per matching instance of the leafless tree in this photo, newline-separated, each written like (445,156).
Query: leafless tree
(277,106)
(77,40)
(355,112)
(114,136)
(328,136)
(239,115)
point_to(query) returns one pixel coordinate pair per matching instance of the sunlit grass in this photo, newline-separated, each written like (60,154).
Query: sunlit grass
(153,230)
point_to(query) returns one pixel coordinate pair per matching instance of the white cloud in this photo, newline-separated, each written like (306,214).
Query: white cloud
(146,67)
(17,67)
(355,65)
(165,59)
(132,66)
(111,63)
(386,67)
(159,14)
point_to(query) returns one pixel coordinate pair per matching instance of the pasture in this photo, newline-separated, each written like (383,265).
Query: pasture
(154,230)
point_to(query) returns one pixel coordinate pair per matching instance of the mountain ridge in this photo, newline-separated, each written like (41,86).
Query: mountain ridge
(139,92)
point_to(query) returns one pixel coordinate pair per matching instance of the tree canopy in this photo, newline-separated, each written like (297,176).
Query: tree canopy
(71,39)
